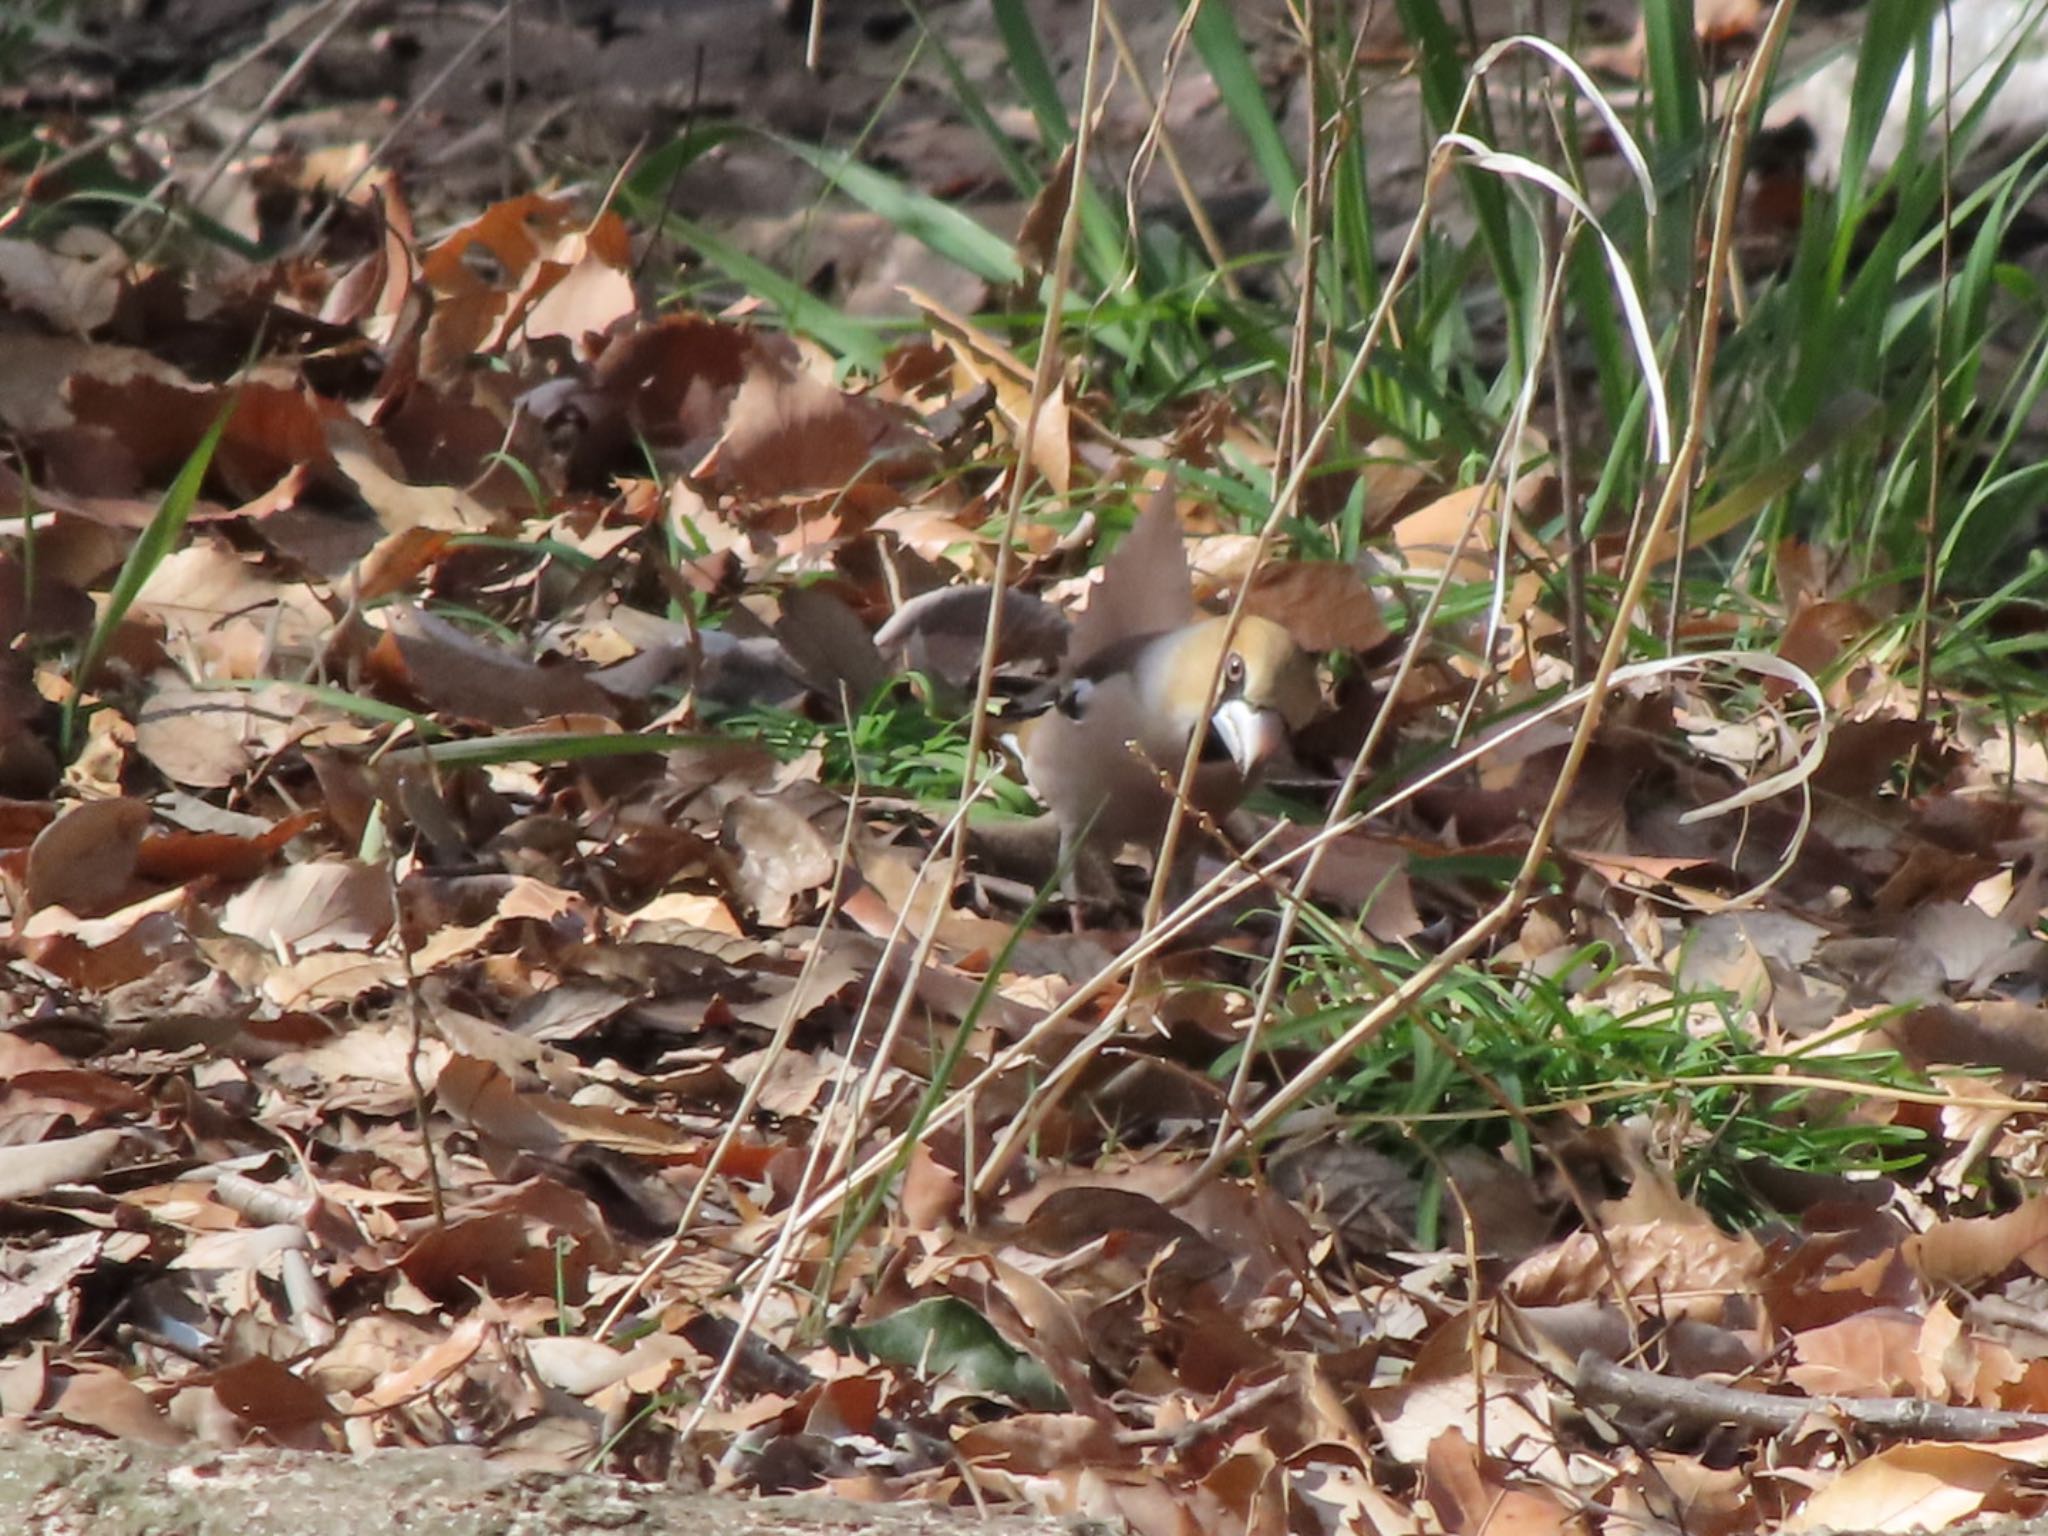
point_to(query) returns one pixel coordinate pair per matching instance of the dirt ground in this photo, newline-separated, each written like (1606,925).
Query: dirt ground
(472,103)
(55,1484)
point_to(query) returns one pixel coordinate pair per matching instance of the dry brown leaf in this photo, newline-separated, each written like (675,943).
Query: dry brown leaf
(791,435)
(471,679)
(321,904)
(1956,1365)
(429,1367)
(782,855)
(224,616)
(71,282)
(1038,235)
(1041,1443)
(1427,538)
(30,1282)
(39,1167)
(1873,1354)
(329,978)
(674,381)
(1969,1250)
(401,507)
(205,739)
(84,861)
(365,1350)
(1325,605)
(1816,636)
(100,1397)
(529,1116)
(1473,1494)
(1365,875)
(482,270)
(266,1395)
(1686,1271)
(176,857)
(587,301)
(155,426)
(1906,1488)
(99,954)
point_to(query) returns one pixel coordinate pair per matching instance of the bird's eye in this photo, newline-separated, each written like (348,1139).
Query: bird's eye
(1233,669)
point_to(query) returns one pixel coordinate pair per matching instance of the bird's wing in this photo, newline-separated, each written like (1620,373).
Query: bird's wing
(1145,588)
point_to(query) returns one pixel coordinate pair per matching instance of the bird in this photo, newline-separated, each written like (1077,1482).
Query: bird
(1104,755)
(1115,695)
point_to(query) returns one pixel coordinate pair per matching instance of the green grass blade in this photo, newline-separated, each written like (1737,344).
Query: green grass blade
(166,526)
(540,747)
(1031,72)
(1222,50)
(969,98)
(1890,33)
(1672,64)
(860,343)
(939,226)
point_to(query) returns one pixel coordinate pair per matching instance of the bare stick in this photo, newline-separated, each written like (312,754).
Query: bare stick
(1704,1404)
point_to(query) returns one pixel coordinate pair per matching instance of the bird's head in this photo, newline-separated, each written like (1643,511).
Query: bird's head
(1268,688)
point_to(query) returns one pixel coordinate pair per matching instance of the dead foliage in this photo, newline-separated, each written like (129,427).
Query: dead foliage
(429,1019)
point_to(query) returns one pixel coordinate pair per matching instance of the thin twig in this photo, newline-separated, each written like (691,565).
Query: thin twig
(398,126)
(1937,430)
(1186,1437)
(1703,1404)
(286,83)
(1156,137)
(290,27)
(416,1014)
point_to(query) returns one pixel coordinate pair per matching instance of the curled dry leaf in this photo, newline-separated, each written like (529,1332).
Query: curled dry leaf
(84,861)
(71,284)
(42,1278)
(39,1167)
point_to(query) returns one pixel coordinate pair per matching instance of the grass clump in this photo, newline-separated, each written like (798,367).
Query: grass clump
(1512,1059)
(894,744)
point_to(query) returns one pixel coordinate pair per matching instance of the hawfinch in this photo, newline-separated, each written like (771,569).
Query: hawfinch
(1103,758)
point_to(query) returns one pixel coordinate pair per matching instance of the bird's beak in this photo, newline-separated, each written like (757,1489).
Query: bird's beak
(1251,736)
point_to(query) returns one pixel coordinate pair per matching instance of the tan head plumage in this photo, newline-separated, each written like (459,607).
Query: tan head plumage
(1267,683)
